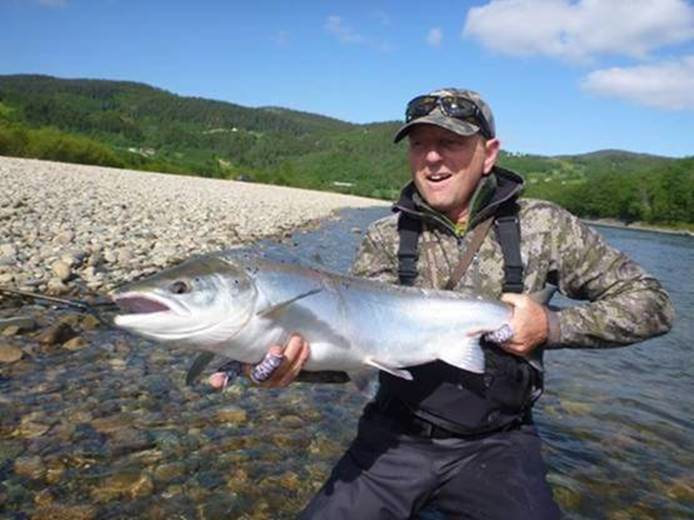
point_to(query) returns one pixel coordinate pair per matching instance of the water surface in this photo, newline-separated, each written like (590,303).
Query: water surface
(111,431)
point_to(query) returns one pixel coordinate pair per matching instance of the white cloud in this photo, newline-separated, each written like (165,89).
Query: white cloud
(580,29)
(335,26)
(664,85)
(435,37)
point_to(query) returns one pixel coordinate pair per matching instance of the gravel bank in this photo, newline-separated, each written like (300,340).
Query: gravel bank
(67,228)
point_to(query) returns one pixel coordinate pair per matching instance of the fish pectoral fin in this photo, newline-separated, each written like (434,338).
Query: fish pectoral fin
(278,308)
(201,361)
(398,372)
(366,381)
(466,354)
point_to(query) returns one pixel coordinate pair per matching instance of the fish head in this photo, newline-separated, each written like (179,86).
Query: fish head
(204,301)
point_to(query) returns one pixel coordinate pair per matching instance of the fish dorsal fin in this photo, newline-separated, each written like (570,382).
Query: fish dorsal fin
(278,308)
(397,372)
(201,361)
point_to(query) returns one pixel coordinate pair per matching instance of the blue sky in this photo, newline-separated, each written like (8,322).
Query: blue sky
(562,76)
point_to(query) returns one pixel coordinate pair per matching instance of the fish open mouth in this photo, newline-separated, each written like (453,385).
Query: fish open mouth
(139,304)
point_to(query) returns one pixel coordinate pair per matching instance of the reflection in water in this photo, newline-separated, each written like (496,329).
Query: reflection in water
(108,429)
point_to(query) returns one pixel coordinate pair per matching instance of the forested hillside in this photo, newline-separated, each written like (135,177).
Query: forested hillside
(133,125)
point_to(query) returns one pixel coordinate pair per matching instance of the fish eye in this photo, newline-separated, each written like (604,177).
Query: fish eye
(179,287)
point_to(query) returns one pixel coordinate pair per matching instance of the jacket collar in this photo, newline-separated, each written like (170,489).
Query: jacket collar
(495,189)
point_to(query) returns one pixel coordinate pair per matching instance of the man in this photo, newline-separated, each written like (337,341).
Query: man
(460,441)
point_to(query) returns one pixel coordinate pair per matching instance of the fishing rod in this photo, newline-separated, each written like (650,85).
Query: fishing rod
(94,309)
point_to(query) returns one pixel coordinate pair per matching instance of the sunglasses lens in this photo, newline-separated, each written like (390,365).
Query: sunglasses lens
(465,110)
(419,107)
(452,106)
(458,107)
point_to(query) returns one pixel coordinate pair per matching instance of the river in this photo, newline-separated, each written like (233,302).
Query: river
(111,431)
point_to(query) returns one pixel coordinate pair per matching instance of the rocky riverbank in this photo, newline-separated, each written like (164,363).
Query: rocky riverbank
(97,424)
(68,228)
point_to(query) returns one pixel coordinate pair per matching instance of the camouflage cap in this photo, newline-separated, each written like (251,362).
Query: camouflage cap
(439,118)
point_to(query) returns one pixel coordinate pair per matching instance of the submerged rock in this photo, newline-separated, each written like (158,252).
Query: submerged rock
(56,334)
(231,415)
(30,467)
(169,472)
(126,484)
(76,343)
(10,353)
(64,512)
(22,323)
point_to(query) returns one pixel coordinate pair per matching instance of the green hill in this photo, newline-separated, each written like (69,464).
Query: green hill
(133,125)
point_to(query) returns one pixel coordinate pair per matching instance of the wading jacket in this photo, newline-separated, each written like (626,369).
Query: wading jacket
(624,304)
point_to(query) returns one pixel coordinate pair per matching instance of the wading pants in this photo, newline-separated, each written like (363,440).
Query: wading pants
(389,474)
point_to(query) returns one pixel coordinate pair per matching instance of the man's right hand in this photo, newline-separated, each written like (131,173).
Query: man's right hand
(294,355)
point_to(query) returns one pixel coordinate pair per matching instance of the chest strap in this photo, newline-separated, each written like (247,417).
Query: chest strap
(409,229)
(507,229)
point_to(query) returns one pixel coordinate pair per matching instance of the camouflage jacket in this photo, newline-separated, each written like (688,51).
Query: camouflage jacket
(626,304)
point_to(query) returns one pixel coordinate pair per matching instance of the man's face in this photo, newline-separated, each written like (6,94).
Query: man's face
(446,167)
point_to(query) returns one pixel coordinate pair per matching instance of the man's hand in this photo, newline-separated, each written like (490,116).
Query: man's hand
(293,357)
(528,322)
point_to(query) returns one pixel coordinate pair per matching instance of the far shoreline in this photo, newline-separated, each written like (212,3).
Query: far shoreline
(637,226)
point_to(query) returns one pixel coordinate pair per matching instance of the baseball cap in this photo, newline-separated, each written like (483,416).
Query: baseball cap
(464,112)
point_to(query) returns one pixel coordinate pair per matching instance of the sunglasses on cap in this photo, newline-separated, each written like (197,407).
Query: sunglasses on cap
(452,106)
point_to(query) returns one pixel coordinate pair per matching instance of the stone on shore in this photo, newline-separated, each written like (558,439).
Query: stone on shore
(120,224)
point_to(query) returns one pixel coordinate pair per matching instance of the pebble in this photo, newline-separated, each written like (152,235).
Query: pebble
(65,512)
(291,422)
(87,437)
(8,250)
(90,322)
(62,270)
(56,334)
(169,472)
(30,467)
(76,343)
(10,353)
(112,423)
(230,415)
(50,230)
(23,323)
(12,330)
(127,484)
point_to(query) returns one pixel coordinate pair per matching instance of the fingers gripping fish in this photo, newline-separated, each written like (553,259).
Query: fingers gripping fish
(236,305)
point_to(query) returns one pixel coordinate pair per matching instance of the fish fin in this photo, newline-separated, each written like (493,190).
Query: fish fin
(201,361)
(279,308)
(468,355)
(398,372)
(543,296)
(366,381)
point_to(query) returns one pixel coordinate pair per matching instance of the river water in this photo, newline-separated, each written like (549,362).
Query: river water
(111,431)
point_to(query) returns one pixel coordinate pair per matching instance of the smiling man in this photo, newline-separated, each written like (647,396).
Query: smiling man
(462,442)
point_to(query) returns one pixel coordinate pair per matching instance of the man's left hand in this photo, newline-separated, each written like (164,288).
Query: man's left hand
(528,322)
